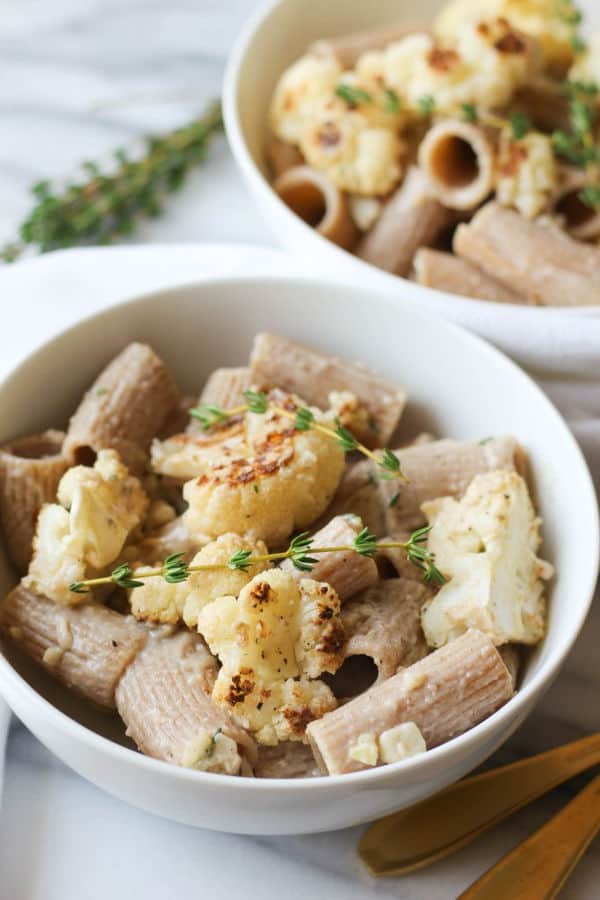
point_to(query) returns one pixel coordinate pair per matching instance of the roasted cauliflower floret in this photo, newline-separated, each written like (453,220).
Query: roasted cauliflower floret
(282,481)
(357,156)
(275,633)
(186,455)
(97,510)
(528,174)
(586,68)
(486,63)
(159,601)
(300,94)
(487,543)
(540,19)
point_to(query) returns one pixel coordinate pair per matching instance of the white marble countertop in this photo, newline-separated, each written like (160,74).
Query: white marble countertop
(77,79)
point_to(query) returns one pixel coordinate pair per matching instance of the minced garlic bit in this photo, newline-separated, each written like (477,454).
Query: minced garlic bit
(487,543)
(52,656)
(212,752)
(365,750)
(528,174)
(15,632)
(401,742)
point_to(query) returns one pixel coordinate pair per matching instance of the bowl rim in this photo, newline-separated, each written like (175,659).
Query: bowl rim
(368,778)
(240,51)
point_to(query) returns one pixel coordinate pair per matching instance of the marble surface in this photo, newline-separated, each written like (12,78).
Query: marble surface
(77,78)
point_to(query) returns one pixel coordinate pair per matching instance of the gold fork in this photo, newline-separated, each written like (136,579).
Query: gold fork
(539,867)
(415,837)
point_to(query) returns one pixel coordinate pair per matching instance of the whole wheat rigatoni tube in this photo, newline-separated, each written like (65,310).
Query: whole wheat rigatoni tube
(30,469)
(288,759)
(545,103)
(540,262)
(410,219)
(124,409)
(282,156)
(446,272)
(444,694)
(441,469)
(459,161)
(383,623)
(164,700)
(86,647)
(224,388)
(278,362)
(319,203)
(580,220)
(345,570)
(347,48)
(359,495)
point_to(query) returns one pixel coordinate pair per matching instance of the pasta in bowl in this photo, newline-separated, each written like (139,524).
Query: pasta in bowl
(453,144)
(317,572)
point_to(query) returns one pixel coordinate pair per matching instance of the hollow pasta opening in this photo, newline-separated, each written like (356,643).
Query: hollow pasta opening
(454,162)
(354,676)
(576,213)
(85,456)
(307,201)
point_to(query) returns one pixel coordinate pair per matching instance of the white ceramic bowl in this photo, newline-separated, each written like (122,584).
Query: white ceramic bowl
(459,386)
(276,35)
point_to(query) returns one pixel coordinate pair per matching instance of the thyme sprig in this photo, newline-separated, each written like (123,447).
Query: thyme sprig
(304,420)
(300,551)
(102,206)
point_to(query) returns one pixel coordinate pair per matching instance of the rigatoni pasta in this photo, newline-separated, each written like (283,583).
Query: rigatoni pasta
(414,128)
(30,470)
(321,600)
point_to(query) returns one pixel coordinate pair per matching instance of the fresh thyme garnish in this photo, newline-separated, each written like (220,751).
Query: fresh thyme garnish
(300,551)
(393,502)
(353,96)
(78,587)
(469,112)
(122,576)
(175,569)
(485,440)
(208,415)
(240,560)
(390,464)
(391,101)
(101,206)
(304,420)
(519,125)
(213,743)
(365,543)
(346,439)
(578,145)
(257,403)
(426,104)
(418,554)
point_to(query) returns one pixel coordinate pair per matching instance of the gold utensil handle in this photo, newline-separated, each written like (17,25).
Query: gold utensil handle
(539,867)
(413,838)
